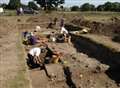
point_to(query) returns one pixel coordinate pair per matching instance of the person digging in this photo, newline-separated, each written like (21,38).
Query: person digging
(67,37)
(54,55)
(34,59)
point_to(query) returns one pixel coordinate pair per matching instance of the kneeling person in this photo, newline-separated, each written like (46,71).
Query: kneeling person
(34,56)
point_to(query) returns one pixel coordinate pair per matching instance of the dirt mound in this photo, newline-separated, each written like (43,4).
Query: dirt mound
(115,19)
(108,29)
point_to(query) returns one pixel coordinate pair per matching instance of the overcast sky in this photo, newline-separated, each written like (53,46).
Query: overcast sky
(73,2)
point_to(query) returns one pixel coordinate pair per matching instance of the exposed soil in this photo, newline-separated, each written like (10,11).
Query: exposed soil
(109,28)
(101,53)
(83,71)
(86,64)
(9,63)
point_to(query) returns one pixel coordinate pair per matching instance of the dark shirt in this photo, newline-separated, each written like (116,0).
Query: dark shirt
(33,40)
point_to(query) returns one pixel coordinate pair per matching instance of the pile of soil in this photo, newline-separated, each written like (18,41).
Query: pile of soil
(110,28)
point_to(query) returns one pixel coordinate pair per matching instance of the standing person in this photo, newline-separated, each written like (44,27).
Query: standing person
(21,10)
(18,11)
(55,21)
(62,22)
(1,10)
(67,37)
(64,30)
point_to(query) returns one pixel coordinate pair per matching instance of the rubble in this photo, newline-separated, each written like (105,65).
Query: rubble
(101,68)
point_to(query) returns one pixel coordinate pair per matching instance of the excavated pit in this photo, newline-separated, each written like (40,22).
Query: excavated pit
(67,75)
(100,53)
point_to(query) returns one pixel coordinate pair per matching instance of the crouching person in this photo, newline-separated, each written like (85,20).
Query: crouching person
(67,37)
(34,57)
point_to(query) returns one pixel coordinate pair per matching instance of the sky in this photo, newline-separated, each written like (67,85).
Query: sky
(69,3)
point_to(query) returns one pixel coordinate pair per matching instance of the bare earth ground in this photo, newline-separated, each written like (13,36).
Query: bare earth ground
(80,73)
(82,65)
(12,67)
(8,65)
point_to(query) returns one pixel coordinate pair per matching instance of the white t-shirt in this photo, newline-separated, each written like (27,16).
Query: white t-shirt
(63,30)
(35,51)
(21,10)
(37,28)
(1,10)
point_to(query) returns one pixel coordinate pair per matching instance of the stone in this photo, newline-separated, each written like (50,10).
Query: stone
(81,75)
(101,68)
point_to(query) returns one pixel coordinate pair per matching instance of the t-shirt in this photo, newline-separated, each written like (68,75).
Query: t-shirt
(21,10)
(62,23)
(33,40)
(35,51)
(63,30)
(1,10)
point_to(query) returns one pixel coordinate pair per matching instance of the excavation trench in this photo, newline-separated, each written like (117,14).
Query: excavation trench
(65,79)
(68,76)
(101,53)
(40,78)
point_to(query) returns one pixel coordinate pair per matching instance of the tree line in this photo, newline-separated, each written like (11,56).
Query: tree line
(14,4)
(45,4)
(108,6)
(53,5)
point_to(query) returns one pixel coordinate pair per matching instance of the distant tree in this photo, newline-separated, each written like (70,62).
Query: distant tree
(13,4)
(75,8)
(87,7)
(100,8)
(108,6)
(49,4)
(62,8)
(3,5)
(33,5)
(115,7)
